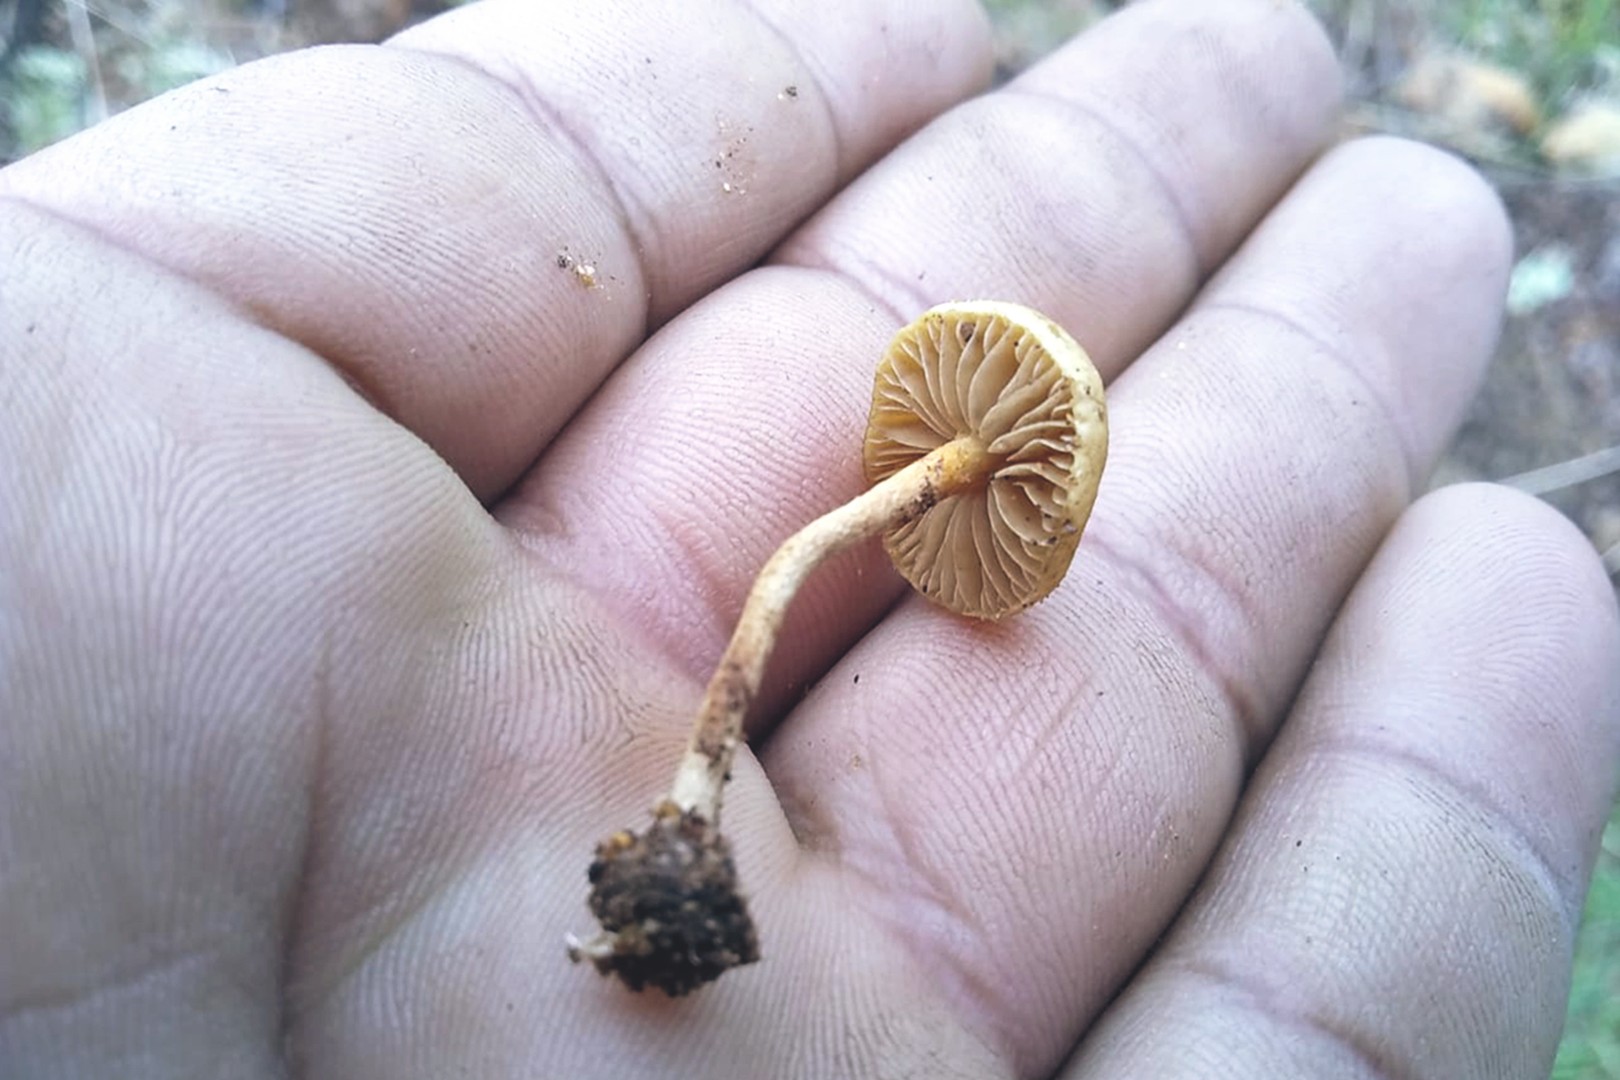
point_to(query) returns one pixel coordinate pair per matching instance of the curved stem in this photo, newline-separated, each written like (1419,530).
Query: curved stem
(957,466)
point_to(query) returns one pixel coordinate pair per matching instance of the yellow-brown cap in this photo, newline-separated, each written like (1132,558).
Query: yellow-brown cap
(1014,380)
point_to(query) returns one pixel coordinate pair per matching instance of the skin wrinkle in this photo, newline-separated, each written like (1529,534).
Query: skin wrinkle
(1411,458)
(533,535)
(801,67)
(301,992)
(74,224)
(1248,710)
(996,116)
(818,79)
(295,905)
(788,476)
(1237,908)
(380,921)
(363,388)
(302,995)
(1222,51)
(501,742)
(1246,714)
(709,563)
(996,1007)
(1169,192)
(370,922)
(976,989)
(1011,119)
(1060,720)
(1258,996)
(626,211)
(286,312)
(125,978)
(1258,713)
(1026,698)
(1559,886)
(690,552)
(884,290)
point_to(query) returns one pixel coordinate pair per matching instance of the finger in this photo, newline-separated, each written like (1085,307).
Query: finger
(728,458)
(478,223)
(1401,889)
(1053,786)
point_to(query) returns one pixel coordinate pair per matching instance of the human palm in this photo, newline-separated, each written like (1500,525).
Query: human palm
(390,436)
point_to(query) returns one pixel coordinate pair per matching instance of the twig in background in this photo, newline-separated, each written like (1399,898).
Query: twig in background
(128,23)
(84,43)
(1565,474)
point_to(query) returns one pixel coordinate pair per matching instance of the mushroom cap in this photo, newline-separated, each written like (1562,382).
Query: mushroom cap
(1014,380)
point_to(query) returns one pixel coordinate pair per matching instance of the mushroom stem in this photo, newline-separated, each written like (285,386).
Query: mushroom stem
(667,897)
(959,465)
(977,375)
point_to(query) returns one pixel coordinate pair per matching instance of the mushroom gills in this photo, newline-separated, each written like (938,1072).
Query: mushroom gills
(1011,379)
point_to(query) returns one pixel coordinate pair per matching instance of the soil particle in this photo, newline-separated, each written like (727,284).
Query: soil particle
(669,898)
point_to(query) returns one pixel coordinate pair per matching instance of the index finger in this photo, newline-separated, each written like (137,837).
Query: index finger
(477,222)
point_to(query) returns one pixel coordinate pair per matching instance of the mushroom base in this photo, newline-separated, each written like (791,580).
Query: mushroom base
(669,907)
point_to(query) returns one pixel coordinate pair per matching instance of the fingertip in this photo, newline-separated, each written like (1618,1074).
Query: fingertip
(1441,191)
(1514,549)
(1488,513)
(1507,542)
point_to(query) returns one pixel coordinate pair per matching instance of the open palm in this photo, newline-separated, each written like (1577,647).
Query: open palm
(389,435)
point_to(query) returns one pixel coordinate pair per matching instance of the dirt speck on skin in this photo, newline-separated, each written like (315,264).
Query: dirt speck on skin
(734,158)
(586,271)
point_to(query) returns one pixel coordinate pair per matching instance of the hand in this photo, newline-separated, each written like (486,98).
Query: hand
(390,435)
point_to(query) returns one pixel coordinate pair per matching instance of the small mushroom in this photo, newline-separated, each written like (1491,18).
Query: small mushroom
(984,447)
(1013,390)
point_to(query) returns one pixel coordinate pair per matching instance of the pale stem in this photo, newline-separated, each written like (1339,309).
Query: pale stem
(957,466)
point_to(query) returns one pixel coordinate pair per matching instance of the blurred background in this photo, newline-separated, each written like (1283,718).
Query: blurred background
(1528,90)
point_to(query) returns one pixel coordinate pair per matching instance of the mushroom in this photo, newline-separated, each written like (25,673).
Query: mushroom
(984,446)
